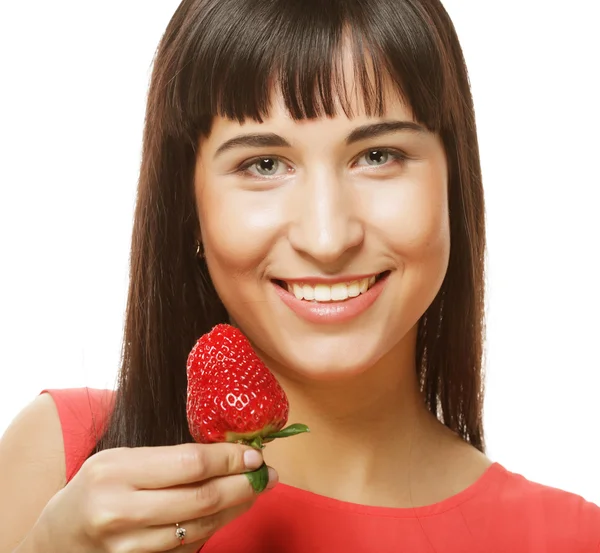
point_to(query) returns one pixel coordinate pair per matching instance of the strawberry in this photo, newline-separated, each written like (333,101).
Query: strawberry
(233,397)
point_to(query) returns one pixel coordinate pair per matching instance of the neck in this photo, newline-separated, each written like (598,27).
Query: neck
(367,432)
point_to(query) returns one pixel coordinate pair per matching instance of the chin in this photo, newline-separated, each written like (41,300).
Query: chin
(318,356)
(316,367)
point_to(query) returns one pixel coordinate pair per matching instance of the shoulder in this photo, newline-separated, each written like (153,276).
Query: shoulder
(34,432)
(57,424)
(32,467)
(561,520)
(42,449)
(83,414)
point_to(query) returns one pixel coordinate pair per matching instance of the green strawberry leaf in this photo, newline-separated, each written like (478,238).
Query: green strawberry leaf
(291,430)
(259,478)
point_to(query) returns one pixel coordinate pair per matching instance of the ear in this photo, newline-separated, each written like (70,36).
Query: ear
(199,249)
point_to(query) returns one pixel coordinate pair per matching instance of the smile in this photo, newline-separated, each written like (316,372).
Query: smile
(333,302)
(339,291)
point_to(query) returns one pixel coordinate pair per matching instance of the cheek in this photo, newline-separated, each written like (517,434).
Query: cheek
(239,228)
(413,216)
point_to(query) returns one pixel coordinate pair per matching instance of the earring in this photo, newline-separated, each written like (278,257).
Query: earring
(199,249)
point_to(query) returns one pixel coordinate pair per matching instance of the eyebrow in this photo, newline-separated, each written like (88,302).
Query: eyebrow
(272,140)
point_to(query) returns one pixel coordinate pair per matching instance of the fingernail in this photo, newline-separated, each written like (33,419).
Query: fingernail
(252,459)
(273,479)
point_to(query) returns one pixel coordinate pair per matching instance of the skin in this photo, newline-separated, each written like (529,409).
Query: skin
(121,499)
(328,211)
(322,207)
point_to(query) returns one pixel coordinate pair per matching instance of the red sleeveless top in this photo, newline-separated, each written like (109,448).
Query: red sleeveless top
(501,512)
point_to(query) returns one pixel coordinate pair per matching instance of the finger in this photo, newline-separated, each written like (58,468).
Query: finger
(197,531)
(165,506)
(166,467)
(201,529)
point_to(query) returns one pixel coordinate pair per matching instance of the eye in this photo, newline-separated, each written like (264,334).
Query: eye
(378,157)
(273,166)
(263,167)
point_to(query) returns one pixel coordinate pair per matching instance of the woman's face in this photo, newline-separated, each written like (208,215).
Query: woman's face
(326,239)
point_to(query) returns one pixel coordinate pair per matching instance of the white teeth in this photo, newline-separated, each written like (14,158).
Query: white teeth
(309,292)
(322,292)
(336,292)
(339,292)
(353,289)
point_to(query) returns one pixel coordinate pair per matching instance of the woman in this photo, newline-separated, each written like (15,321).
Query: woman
(310,173)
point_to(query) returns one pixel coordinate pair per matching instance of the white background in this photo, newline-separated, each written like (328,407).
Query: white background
(73,78)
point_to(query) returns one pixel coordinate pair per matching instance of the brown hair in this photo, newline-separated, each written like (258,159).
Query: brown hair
(221,57)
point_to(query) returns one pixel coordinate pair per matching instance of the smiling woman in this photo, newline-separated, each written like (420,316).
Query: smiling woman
(311,175)
(351,212)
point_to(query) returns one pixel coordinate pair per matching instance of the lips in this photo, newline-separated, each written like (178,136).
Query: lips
(320,302)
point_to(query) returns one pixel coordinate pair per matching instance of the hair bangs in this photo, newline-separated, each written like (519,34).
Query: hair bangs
(234,60)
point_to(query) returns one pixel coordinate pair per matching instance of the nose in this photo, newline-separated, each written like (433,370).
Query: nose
(326,224)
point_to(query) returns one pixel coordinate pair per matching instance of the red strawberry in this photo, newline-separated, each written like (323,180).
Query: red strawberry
(232,396)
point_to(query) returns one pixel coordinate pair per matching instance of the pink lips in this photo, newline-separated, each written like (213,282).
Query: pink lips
(334,311)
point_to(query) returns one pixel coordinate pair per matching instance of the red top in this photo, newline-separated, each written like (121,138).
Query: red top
(502,512)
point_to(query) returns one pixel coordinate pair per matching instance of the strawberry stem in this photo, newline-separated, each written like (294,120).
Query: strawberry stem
(259,478)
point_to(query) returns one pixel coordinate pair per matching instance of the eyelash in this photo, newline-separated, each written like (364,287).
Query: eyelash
(397,157)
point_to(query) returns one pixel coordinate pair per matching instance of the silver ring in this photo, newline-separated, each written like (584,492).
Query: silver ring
(180,533)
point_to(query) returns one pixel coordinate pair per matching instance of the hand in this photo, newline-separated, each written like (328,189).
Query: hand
(129,500)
